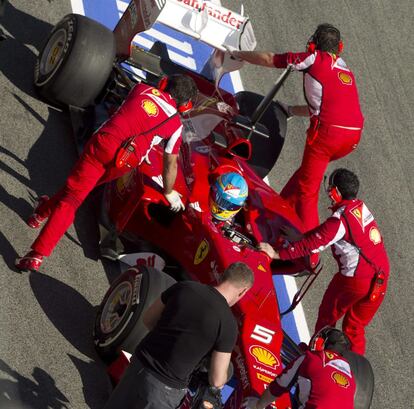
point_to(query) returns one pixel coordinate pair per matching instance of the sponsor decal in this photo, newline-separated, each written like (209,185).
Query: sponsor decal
(264,378)
(329,355)
(148,261)
(242,369)
(261,268)
(223,16)
(340,379)
(345,78)
(149,107)
(266,371)
(137,287)
(201,252)
(156,92)
(236,249)
(375,235)
(262,334)
(232,191)
(357,213)
(264,356)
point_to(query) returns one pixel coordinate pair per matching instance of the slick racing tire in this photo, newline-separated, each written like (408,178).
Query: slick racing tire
(75,62)
(364,379)
(265,151)
(118,323)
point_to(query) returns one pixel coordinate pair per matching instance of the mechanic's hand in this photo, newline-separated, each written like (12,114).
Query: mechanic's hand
(174,199)
(286,108)
(233,52)
(290,234)
(249,403)
(269,250)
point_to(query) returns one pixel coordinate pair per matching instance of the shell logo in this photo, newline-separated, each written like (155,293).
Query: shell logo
(340,379)
(345,78)
(264,356)
(375,235)
(149,107)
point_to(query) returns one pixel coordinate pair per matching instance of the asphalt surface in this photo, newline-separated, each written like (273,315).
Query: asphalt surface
(46,356)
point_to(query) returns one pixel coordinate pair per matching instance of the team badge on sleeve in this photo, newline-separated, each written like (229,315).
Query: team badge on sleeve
(340,379)
(345,78)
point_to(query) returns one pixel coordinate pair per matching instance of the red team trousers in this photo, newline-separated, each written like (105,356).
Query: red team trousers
(95,166)
(326,144)
(348,297)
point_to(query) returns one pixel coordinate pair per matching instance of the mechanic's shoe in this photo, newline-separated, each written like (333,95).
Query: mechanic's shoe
(30,262)
(35,221)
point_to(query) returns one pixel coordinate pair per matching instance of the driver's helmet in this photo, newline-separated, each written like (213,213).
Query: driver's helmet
(227,195)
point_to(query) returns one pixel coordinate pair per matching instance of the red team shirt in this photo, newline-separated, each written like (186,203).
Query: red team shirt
(329,87)
(335,232)
(144,108)
(324,380)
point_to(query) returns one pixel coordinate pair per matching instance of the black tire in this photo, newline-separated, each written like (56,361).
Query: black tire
(137,287)
(265,152)
(75,62)
(364,379)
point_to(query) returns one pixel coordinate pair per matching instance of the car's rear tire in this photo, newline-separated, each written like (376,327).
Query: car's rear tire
(265,151)
(364,379)
(75,62)
(118,323)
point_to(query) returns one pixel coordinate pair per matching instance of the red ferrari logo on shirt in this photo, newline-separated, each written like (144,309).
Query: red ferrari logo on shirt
(357,212)
(345,78)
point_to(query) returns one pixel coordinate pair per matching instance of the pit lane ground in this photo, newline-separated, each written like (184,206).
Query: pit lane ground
(46,356)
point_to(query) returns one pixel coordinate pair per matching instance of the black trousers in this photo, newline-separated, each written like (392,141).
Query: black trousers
(139,389)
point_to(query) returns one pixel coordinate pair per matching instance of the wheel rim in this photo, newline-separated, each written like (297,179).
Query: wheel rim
(53,52)
(116,307)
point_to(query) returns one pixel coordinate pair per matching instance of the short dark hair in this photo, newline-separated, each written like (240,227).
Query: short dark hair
(182,88)
(327,38)
(239,274)
(347,183)
(337,341)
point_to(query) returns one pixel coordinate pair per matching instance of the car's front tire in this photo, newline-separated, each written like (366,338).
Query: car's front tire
(75,62)
(118,323)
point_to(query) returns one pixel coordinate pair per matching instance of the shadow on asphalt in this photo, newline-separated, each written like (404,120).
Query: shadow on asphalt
(19,392)
(74,317)
(26,32)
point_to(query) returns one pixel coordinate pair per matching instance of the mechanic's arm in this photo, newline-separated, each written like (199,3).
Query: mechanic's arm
(314,241)
(299,110)
(169,176)
(153,314)
(169,173)
(219,366)
(263,58)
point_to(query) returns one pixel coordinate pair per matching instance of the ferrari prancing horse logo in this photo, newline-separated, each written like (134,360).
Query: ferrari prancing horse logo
(201,252)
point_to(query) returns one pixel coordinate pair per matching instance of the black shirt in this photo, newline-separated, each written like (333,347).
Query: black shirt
(196,320)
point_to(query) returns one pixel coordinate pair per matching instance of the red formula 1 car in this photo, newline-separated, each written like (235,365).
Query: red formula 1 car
(80,66)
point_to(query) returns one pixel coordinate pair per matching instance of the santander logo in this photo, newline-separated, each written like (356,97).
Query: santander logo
(223,15)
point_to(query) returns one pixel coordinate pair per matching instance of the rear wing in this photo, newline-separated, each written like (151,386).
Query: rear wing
(205,21)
